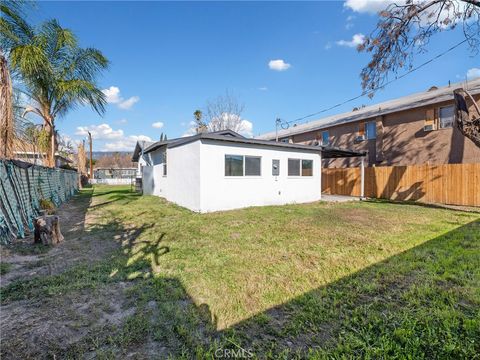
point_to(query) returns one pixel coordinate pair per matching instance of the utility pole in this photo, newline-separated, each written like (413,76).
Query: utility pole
(91,164)
(278,122)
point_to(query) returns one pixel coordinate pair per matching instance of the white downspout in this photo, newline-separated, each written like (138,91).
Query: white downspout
(321,168)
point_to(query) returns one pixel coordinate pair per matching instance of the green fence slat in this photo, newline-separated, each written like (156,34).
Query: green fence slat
(22,186)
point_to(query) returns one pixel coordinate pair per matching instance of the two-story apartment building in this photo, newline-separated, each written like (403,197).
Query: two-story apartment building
(415,129)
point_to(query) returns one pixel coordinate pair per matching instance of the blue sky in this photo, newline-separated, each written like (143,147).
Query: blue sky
(168,59)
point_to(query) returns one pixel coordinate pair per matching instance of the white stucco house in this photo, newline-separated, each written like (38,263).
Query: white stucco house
(224,170)
(140,157)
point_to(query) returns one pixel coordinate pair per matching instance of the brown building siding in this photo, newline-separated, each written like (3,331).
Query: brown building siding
(401,139)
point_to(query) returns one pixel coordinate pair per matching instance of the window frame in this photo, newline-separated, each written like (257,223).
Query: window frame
(328,137)
(367,133)
(300,174)
(301,169)
(243,166)
(225,166)
(440,117)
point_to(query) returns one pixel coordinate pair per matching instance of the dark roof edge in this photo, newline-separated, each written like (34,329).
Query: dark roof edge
(327,151)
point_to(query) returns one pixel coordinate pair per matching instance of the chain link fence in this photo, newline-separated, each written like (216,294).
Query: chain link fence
(22,186)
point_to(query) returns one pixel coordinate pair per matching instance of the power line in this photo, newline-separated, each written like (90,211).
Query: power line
(287,123)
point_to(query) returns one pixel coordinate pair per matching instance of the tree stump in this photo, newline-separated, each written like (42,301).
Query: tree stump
(47,230)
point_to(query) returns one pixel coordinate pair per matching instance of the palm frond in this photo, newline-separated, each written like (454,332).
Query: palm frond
(30,60)
(71,93)
(13,27)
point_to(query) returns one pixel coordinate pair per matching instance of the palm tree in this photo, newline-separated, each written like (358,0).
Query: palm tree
(8,9)
(6,110)
(57,74)
(200,125)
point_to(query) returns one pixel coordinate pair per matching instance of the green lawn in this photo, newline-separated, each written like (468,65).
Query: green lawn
(320,280)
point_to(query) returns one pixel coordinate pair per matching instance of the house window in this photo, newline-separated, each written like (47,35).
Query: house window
(233,165)
(370,130)
(285,140)
(297,167)
(293,167)
(307,167)
(239,165)
(446,117)
(325,137)
(252,166)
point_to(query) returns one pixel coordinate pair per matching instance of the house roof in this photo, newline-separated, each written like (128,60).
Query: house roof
(115,168)
(233,137)
(141,145)
(432,96)
(57,155)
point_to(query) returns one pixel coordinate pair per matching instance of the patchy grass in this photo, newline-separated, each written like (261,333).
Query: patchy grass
(319,280)
(4,268)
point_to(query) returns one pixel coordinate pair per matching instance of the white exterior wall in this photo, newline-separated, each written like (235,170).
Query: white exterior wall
(220,192)
(181,185)
(196,177)
(141,163)
(183,175)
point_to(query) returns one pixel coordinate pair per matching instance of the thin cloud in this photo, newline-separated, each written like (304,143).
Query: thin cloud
(127,104)
(278,65)
(99,132)
(367,6)
(113,96)
(357,39)
(157,125)
(126,143)
(473,73)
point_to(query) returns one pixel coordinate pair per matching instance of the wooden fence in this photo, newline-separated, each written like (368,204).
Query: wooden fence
(454,184)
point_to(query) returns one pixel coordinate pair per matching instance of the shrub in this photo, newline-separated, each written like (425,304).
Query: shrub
(47,205)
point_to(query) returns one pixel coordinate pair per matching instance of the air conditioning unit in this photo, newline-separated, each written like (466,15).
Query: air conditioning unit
(428,127)
(360,138)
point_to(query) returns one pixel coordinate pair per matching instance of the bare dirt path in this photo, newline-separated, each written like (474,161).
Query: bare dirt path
(40,327)
(26,260)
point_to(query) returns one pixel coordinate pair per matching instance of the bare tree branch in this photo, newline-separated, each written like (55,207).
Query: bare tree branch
(405,30)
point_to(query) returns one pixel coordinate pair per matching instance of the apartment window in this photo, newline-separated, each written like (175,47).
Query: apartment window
(446,116)
(239,165)
(325,137)
(297,167)
(370,130)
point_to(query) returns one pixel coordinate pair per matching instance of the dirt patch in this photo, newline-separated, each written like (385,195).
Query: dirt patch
(40,329)
(27,260)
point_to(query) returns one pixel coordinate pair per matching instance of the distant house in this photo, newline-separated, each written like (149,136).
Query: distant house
(415,129)
(224,170)
(139,156)
(38,158)
(114,173)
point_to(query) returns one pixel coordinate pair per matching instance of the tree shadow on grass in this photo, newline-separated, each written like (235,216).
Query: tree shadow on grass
(416,303)
(419,303)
